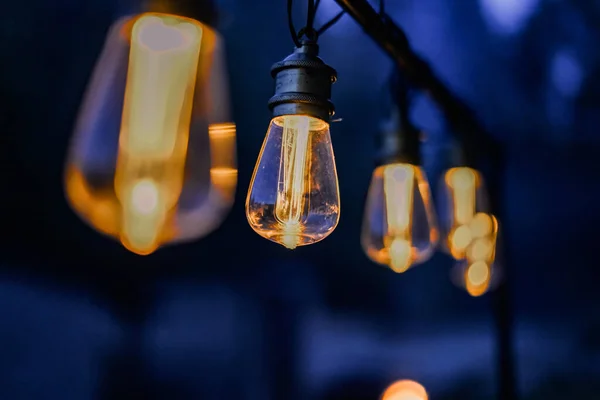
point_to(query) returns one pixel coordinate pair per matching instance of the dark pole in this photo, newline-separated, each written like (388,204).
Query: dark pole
(477,144)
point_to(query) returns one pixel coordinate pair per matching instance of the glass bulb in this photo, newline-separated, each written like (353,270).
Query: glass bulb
(399,227)
(153,155)
(405,390)
(465,211)
(294,197)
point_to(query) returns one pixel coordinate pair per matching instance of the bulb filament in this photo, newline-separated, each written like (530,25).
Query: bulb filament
(293,181)
(398,183)
(163,63)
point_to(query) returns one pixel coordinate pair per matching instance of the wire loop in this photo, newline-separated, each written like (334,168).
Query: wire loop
(309,30)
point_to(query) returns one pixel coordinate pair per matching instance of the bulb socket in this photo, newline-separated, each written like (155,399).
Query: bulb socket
(303,84)
(398,141)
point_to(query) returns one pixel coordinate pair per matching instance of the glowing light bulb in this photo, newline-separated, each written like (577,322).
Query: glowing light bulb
(466,218)
(399,227)
(405,390)
(294,197)
(153,156)
(471,231)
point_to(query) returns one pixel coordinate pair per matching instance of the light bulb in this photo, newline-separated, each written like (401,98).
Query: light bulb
(153,156)
(471,231)
(399,227)
(405,390)
(294,197)
(465,214)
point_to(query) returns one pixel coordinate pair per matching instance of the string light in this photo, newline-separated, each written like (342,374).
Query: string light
(293,198)
(153,156)
(399,226)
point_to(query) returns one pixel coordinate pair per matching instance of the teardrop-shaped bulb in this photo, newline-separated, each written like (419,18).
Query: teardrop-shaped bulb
(294,197)
(153,154)
(399,226)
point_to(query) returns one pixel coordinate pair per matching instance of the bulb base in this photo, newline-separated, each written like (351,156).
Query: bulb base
(303,84)
(398,141)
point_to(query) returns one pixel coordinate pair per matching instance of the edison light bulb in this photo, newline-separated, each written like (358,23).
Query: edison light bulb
(294,197)
(466,219)
(399,227)
(405,390)
(153,155)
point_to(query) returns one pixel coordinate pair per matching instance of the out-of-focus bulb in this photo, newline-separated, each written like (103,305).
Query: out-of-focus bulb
(467,222)
(153,156)
(294,197)
(405,390)
(471,230)
(399,227)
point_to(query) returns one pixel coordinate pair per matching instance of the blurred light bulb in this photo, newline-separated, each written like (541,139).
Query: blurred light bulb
(399,227)
(153,155)
(466,217)
(405,390)
(294,197)
(471,230)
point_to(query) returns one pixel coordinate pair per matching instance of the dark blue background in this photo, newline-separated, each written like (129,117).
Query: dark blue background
(234,316)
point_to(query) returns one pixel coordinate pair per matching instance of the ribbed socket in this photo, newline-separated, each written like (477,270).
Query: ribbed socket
(303,84)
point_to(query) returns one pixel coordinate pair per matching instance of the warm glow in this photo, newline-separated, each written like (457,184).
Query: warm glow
(405,390)
(462,183)
(223,172)
(477,278)
(293,198)
(460,239)
(481,225)
(481,250)
(143,215)
(292,172)
(400,255)
(398,187)
(399,227)
(163,63)
(144,197)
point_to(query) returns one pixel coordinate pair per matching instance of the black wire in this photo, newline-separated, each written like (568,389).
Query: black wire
(310,15)
(309,31)
(293,32)
(330,23)
(381,7)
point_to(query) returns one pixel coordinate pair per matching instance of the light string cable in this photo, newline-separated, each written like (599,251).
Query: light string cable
(309,30)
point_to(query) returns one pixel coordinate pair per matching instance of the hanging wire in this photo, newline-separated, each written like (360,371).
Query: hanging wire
(309,31)
(330,23)
(295,38)
(381,7)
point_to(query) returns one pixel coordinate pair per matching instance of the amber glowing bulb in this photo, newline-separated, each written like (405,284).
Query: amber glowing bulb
(152,161)
(467,222)
(405,390)
(399,226)
(293,197)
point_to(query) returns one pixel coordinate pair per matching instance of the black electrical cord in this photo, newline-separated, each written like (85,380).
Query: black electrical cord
(309,30)
(330,23)
(295,38)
